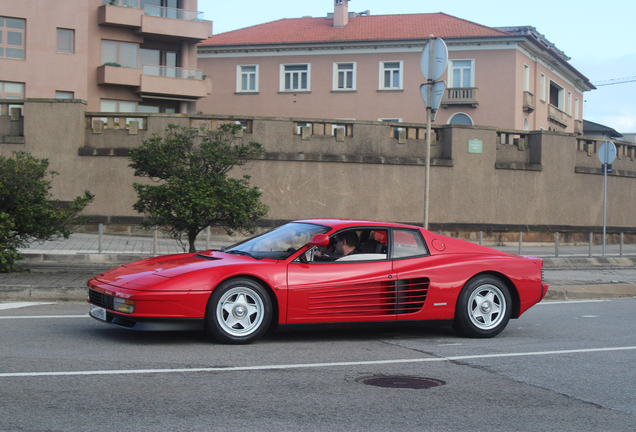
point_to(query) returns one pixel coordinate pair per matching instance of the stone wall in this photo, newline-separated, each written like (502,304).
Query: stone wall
(482,178)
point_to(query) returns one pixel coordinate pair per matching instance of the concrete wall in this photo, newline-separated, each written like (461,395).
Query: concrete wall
(536,181)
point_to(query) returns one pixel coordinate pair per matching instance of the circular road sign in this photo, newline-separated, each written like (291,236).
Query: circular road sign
(607,152)
(440,59)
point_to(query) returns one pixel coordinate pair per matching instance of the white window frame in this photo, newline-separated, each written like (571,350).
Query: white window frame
(460,113)
(5,46)
(451,69)
(569,103)
(59,94)
(576,109)
(543,87)
(119,52)
(526,78)
(336,76)
(239,78)
(283,75)
(400,76)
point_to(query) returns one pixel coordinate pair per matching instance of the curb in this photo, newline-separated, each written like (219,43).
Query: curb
(579,292)
(594,261)
(42,293)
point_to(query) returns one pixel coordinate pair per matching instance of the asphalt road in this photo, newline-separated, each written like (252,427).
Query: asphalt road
(563,366)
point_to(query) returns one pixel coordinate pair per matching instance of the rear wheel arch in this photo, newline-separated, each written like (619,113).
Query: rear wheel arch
(512,289)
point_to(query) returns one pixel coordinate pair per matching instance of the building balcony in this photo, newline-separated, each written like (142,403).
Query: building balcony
(557,116)
(460,96)
(157,80)
(528,101)
(159,22)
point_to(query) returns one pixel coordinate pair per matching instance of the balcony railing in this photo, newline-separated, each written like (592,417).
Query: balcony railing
(460,96)
(166,12)
(528,101)
(172,72)
(558,116)
(159,11)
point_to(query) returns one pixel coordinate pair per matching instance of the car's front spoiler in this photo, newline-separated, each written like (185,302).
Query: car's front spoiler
(153,324)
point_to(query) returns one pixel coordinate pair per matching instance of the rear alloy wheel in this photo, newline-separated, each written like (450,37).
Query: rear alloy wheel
(483,308)
(239,312)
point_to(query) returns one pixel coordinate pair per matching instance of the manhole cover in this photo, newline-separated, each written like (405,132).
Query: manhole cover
(401,382)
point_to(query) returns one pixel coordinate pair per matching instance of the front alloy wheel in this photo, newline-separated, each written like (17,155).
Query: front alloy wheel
(483,308)
(239,311)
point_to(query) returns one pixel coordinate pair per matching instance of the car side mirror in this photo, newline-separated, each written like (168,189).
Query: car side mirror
(319,240)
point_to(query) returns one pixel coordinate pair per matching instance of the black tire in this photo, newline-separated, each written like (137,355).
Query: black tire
(483,308)
(239,312)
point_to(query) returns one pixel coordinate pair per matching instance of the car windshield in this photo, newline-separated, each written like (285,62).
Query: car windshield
(279,243)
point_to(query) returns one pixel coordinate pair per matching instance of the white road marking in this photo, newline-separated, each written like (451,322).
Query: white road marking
(311,365)
(44,316)
(15,305)
(571,302)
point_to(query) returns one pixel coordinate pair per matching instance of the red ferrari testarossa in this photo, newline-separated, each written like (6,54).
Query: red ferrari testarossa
(322,271)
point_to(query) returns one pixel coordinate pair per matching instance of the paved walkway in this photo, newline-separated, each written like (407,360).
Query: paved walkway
(58,270)
(82,243)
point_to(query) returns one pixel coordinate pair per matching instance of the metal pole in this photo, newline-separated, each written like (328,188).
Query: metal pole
(101,233)
(428,130)
(621,250)
(154,240)
(207,238)
(605,196)
(520,241)
(591,241)
(556,245)
(481,238)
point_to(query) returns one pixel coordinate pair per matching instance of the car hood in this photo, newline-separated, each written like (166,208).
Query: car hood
(153,271)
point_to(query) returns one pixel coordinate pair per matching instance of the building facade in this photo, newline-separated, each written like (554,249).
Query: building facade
(363,67)
(118,55)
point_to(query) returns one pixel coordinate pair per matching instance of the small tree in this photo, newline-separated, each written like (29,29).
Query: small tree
(26,212)
(194,190)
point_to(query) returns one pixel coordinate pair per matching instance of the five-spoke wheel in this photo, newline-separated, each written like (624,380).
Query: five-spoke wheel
(483,307)
(239,311)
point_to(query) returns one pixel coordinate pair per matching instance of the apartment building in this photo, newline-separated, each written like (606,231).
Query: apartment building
(362,67)
(118,55)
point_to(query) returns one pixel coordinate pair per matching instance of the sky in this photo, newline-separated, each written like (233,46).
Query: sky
(599,37)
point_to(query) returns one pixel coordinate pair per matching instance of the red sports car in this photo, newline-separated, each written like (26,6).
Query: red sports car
(321,271)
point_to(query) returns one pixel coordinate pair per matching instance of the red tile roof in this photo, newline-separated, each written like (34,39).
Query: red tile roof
(359,29)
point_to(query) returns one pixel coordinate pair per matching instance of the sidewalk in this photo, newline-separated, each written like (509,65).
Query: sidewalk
(59,270)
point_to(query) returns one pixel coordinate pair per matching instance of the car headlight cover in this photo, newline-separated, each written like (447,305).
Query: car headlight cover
(123,305)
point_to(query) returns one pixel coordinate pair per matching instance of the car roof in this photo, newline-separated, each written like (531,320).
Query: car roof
(345,223)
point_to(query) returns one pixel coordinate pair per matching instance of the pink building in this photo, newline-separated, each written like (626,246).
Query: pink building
(118,55)
(363,67)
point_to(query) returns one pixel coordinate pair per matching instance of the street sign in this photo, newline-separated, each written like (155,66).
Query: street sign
(607,152)
(436,95)
(433,71)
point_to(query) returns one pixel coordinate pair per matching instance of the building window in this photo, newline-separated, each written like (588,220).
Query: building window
(12,37)
(391,75)
(159,63)
(576,109)
(526,125)
(543,87)
(526,78)
(344,76)
(460,119)
(557,95)
(295,77)
(119,54)
(64,95)
(569,111)
(11,90)
(247,78)
(65,41)
(461,73)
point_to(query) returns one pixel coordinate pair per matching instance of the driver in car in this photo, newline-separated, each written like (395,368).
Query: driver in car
(346,244)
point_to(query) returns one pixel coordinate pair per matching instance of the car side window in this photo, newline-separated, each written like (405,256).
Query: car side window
(353,245)
(407,243)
